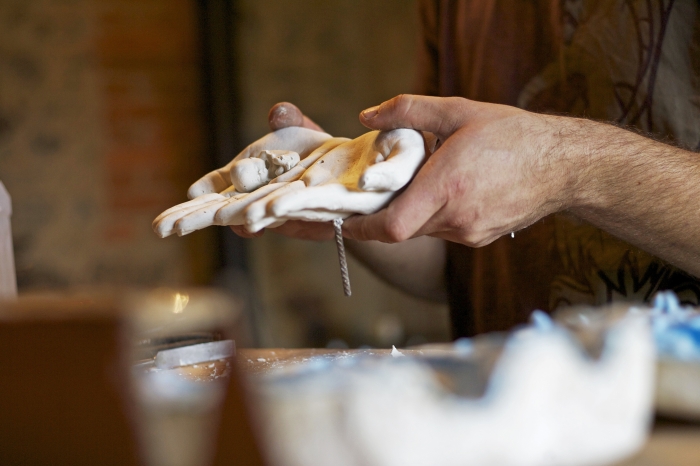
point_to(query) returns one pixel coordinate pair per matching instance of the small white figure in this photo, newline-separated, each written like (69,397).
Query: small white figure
(252,173)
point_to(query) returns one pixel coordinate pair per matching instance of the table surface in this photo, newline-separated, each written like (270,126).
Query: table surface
(672,443)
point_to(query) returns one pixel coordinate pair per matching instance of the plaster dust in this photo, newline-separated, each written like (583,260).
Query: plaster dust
(301,174)
(396,353)
(545,399)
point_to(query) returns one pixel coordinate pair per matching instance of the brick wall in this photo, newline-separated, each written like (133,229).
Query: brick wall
(99,131)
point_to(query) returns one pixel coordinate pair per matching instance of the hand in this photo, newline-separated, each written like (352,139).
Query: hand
(497,169)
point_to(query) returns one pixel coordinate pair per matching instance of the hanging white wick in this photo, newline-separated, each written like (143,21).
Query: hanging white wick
(344,274)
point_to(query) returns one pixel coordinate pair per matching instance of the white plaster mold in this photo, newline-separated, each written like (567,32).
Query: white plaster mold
(676,329)
(297,173)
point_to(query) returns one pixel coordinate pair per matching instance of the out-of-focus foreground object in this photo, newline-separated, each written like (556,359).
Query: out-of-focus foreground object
(8,277)
(676,330)
(533,398)
(80,385)
(61,383)
(191,406)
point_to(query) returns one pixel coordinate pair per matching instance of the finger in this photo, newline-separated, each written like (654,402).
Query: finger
(314,231)
(292,175)
(199,218)
(438,115)
(213,182)
(263,223)
(194,202)
(310,124)
(257,211)
(303,216)
(322,170)
(231,213)
(326,147)
(331,198)
(285,114)
(406,153)
(402,219)
(241,231)
(303,141)
(296,172)
(231,192)
(165,225)
(317,215)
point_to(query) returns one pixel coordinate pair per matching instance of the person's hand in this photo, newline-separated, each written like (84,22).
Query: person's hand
(497,169)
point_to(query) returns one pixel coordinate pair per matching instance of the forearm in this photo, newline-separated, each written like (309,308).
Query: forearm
(640,190)
(415,266)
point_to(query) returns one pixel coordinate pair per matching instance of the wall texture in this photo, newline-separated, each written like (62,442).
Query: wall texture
(99,131)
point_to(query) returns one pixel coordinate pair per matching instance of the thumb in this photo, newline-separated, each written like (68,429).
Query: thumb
(438,115)
(285,114)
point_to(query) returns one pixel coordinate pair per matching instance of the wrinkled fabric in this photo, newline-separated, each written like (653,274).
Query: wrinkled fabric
(630,62)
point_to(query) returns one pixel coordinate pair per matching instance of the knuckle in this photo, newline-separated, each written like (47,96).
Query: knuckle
(394,231)
(454,223)
(477,234)
(402,104)
(457,102)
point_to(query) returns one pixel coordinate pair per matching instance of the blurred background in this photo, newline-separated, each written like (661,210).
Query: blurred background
(109,109)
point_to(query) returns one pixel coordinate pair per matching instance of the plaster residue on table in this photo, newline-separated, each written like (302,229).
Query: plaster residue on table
(258,361)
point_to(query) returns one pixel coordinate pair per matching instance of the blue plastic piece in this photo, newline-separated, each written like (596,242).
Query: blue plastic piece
(676,328)
(464,345)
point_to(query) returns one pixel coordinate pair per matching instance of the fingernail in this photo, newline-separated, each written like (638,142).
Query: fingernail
(370,112)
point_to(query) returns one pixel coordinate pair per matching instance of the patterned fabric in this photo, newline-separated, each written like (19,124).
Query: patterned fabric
(631,62)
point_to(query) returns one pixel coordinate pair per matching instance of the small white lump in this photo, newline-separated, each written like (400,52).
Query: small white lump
(251,173)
